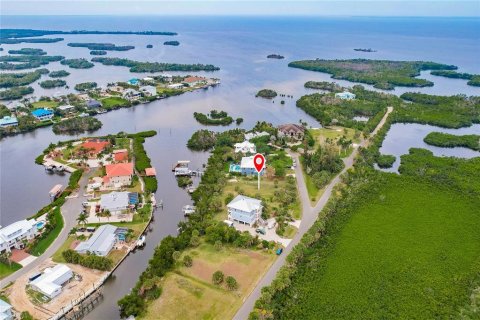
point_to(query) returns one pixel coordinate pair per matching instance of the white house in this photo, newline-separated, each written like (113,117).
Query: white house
(247,167)
(245,210)
(149,90)
(175,86)
(66,108)
(5,311)
(13,235)
(252,135)
(51,281)
(118,175)
(345,95)
(8,121)
(115,202)
(245,147)
(131,94)
(101,241)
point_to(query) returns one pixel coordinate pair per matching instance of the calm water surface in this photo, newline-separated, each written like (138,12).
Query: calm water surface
(239,46)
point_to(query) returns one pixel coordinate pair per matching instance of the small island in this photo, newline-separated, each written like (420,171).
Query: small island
(171,43)
(382,74)
(149,46)
(100,46)
(365,50)
(446,140)
(214,118)
(77,125)
(275,56)
(9,80)
(77,63)
(59,74)
(137,66)
(473,79)
(28,51)
(15,93)
(49,84)
(385,161)
(98,52)
(85,86)
(266,93)
(21,62)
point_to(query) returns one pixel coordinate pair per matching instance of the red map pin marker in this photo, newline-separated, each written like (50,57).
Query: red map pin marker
(258,162)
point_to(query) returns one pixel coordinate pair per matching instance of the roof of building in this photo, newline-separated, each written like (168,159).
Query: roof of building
(41,112)
(94,103)
(245,145)
(114,200)
(50,279)
(193,79)
(100,240)
(66,107)
(245,204)
(150,172)
(119,169)
(247,163)
(95,146)
(345,94)
(252,135)
(120,155)
(15,229)
(4,306)
(291,127)
(8,120)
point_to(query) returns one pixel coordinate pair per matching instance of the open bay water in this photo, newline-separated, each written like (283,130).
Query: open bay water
(239,46)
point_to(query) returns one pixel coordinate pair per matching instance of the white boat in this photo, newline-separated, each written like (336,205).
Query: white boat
(154,201)
(141,241)
(188,209)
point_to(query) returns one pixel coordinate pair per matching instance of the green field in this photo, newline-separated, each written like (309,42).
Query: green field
(6,270)
(114,102)
(407,250)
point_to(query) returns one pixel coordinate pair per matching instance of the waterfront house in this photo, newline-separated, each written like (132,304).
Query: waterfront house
(245,210)
(120,155)
(52,279)
(8,121)
(291,130)
(245,147)
(176,86)
(194,81)
(167,77)
(118,175)
(131,94)
(42,114)
(252,135)
(66,108)
(150,91)
(13,235)
(101,242)
(248,168)
(148,79)
(115,202)
(6,312)
(95,147)
(93,104)
(345,95)
(133,81)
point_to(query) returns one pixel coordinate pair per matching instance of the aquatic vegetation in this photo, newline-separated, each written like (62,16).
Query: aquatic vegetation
(324,85)
(59,74)
(171,43)
(98,52)
(100,46)
(26,61)
(77,125)
(447,140)
(473,79)
(385,160)
(214,118)
(266,93)
(28,51)
(84,86)
(78,63)
(382,74)
(15,93)
(275,56)
(48,84)
(136,66)
(8,80)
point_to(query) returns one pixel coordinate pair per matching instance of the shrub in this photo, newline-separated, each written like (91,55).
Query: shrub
(232,283)
(188,261)
(217,277)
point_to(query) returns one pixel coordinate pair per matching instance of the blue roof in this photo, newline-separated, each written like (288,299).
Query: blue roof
(41,112)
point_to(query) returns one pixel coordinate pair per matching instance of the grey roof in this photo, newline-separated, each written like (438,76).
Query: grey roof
(113,200)
(245,204)
(93,104)
(100,240)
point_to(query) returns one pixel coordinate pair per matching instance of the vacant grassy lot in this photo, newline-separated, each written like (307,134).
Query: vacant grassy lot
(188,293)
(411,250)
(113,102)
(45,104)
(6,270)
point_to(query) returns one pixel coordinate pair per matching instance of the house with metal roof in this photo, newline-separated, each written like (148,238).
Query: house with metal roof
(247,167)
(52,279)
(42,114)
(245,147)
(13,235)
(115,202)
(245,210)
(8,121)
(148,90)
(6,312)
(93,104)
(66,108)
(101,242)
(345,95)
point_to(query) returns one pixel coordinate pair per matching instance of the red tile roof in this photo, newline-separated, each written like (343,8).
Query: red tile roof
(119,169)
(120,156)
(95,146)
(193,79)
(150,172)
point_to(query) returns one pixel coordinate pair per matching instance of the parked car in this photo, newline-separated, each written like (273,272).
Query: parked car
(261,231)
(279,251)
(85,203)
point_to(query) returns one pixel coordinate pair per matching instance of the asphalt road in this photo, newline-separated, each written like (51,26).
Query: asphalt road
(70,212)
(309,216)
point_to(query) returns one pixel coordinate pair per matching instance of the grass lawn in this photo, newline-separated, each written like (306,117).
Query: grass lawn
(6,269)
(137,225)
(321,134)
(44,243)
(193,286)
(45,104)
(111,102)
(313,192)
(57,256)
(248,186)
(410,250)
(289,232)
(122,143)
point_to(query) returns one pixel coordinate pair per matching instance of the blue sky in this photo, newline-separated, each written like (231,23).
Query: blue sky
(465,8)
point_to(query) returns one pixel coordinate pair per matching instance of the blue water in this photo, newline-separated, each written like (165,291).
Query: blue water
(239,46)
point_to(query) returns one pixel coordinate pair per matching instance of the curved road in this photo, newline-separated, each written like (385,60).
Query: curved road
(70,211)
(309,216)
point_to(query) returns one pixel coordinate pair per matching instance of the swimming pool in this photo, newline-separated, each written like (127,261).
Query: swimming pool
(234,168)
(40,224)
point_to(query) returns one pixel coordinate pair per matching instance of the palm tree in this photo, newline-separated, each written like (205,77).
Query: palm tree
(82,219)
